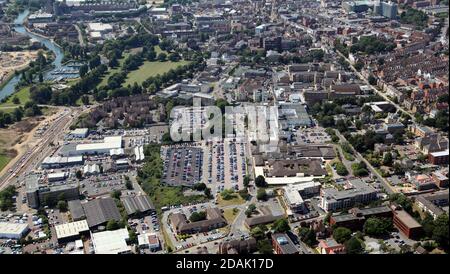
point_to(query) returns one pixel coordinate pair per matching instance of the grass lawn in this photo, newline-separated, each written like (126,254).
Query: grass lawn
(229,215)
(236,200)
(143,72)
(163,195)
(4,160)
(151,69)
(23,95)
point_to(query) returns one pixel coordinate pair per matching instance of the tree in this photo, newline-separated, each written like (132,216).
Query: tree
(83,70)
(342,234)
(264,247)
(128,184)
(16,100)
(259,232)
(116,194)
(308,236)
(377,226)
(162,57)
(281,226)
(260,181)
(200,186)
(78,174)
(244,194)
(261,194)
(341,169)
(85,99)
(250,209)
(440,231)
(387,159)
(207,192)
(227,194)
(112,225)
(246,180)
(94,62)
(62,206)
(197,216)
(353,246)
(372,80)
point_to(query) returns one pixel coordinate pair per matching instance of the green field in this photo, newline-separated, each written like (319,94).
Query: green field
(4,160)
(23,95)
(143,72)
(151,69)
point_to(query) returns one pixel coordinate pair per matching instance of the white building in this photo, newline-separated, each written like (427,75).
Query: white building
(79,133)
(91,169)
(148,240)
(71,231)
(111,242)
(293,194)
(13,230)
(112,142)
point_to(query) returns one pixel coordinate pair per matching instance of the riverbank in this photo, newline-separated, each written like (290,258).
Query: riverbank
(8,88)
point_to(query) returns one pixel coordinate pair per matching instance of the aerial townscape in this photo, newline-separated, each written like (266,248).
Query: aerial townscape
(224,127)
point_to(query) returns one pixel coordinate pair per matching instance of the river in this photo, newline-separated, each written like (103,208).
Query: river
(9,87)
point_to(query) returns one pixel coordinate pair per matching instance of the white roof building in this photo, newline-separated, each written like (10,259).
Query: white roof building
(13,230)
(111,242)
(139,153)
(79,132)
(112,142)
(149,240)
(71,230)
(91,169)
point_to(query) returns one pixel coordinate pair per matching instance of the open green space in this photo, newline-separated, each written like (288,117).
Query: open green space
(23,95)
(235,200)
(151,69)
(4,160)
(147,69)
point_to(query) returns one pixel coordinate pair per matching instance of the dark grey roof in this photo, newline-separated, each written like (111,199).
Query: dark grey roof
(76,210)
(100,211)
(139,203)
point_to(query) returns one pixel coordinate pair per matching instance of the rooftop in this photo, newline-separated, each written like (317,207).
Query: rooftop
(71,229)
(111,242)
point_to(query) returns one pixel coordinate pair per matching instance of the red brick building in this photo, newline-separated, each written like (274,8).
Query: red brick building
(439,157)
(407,224)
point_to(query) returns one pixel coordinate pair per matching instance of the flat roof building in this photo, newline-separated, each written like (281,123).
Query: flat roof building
(71,231)
(407,224)
(111,242)
(356,191)
(282,244)
(13,230)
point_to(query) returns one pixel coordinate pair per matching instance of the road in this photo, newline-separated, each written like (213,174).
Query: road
(80,35)
(389,189)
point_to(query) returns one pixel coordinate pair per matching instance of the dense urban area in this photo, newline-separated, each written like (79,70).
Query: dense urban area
(350,153)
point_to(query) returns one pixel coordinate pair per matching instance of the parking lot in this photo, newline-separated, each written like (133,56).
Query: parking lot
(312,136)
(182,165)
(225,164)
(101,185)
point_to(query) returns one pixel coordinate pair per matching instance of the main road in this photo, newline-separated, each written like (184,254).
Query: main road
(386,185)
